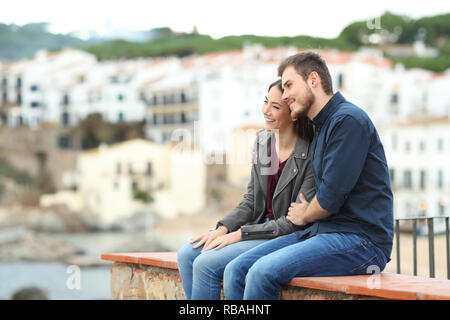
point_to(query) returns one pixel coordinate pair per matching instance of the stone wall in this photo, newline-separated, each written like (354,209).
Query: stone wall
(142,282)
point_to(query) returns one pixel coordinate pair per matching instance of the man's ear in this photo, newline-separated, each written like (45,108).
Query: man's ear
(314,79)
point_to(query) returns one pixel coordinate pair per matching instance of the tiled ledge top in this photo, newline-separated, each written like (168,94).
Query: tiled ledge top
(385,285)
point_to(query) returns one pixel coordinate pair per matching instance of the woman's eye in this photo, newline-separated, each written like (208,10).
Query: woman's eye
(276,107)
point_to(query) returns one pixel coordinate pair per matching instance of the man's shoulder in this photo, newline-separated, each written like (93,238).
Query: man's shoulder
(351,112)
(347,108)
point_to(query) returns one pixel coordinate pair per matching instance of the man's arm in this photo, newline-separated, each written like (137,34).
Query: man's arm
(306,212)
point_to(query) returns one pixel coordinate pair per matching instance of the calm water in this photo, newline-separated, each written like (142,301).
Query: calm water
(59,281)
(53,278)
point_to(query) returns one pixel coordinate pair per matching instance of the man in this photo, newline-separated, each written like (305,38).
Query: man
(348,225)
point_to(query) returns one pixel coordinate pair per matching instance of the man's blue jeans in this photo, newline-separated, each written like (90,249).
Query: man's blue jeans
(260,272)
(201,273)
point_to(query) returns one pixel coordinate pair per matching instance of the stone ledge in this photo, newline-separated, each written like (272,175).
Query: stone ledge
(155,276)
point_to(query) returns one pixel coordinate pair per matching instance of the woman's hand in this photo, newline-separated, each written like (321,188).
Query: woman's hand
(206,238)
(223,241)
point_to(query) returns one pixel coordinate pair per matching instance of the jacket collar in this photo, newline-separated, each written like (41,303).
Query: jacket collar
(328,109)
(301,151)
(301,148)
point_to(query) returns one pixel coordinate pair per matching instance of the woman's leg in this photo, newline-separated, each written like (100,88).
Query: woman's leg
(185,258)
(202,273)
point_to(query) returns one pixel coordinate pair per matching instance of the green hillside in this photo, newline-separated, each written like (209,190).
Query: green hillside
(18,42)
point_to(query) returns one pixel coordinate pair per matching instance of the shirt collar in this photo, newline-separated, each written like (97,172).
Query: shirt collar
(328,109)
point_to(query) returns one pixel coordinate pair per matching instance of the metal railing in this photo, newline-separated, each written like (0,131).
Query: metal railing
(431,234)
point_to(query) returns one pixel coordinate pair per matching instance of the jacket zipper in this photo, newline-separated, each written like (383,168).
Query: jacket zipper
(258,232)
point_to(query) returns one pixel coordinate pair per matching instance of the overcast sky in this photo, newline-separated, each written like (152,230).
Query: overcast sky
(216,18)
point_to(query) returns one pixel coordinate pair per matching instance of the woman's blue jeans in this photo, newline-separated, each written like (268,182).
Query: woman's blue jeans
(260,272)
(202,273)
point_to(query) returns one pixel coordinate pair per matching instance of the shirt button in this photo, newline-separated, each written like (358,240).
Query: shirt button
(295,170)
(303,154)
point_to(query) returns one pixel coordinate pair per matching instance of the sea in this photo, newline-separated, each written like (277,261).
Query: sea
(68,282)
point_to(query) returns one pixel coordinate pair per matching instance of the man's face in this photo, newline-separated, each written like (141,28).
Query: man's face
(297,93)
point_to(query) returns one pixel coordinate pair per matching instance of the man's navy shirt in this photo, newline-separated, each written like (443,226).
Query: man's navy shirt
(351,175)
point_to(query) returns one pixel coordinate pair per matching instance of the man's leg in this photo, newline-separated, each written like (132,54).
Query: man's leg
(328,254)
(236,271)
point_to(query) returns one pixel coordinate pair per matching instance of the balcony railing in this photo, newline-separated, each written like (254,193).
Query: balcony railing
(430,233)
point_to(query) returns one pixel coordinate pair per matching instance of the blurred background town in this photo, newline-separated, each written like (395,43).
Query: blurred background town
(134,141)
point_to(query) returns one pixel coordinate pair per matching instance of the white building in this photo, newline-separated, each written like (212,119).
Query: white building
(35,89)
(418,155)
(211,95)
(65,86)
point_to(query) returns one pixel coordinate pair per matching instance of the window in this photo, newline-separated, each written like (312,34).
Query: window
(340,80)
(422,146)
(34,87)
(407,179)
(441,208)
(407,146)
(65,119)
(440,182)
(64,142)
(394,98)
(34,104)
(394,142)
(149,169)
(440,144)
(392,176)
(118,168)
(422,179)
(66,100)
(120,97)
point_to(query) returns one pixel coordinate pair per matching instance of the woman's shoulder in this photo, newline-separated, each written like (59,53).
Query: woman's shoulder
(301,149)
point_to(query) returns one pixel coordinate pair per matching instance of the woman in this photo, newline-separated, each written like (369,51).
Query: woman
(277,179)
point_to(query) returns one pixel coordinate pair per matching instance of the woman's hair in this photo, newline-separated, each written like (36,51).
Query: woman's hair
(303,127)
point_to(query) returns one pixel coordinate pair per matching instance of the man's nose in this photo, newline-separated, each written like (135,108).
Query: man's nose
(284,96)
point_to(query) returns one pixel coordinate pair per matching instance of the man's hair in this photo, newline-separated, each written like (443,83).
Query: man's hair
(305,63)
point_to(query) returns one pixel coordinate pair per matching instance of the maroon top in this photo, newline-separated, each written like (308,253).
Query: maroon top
(272,185)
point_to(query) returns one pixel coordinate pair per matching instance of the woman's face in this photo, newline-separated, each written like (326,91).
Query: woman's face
(277,114)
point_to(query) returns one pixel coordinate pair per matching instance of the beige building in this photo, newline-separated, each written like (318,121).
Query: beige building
(238,160)
(113,180)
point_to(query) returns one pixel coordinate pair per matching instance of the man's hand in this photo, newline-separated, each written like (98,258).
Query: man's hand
(297,211)
(206,238)
(223,241)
